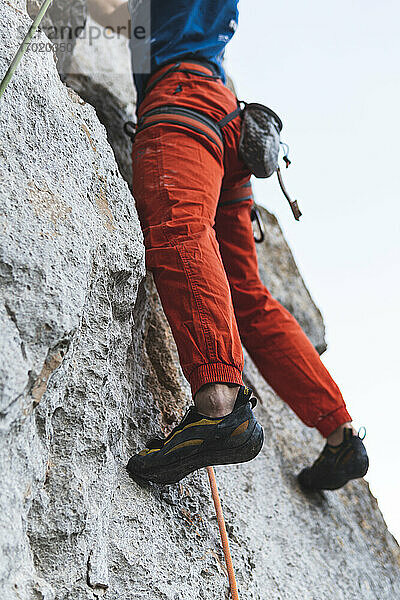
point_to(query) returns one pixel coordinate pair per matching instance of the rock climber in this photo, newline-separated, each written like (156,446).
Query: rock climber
(193,196)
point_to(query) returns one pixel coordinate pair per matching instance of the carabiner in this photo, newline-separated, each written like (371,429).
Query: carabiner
(130,129)
(256,216)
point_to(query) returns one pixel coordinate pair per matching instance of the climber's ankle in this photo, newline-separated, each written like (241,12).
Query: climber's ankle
(216,399)
(336,438)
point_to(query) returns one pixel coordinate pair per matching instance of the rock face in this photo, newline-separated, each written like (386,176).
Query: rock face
(63,23)
(89,371)
(281,276)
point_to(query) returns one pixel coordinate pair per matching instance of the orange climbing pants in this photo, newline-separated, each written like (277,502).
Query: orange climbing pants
(194,201)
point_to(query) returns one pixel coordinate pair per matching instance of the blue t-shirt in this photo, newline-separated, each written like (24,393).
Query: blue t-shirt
(165,30)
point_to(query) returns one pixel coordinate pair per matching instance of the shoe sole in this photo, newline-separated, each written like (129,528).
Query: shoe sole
(337,482)
(175,472)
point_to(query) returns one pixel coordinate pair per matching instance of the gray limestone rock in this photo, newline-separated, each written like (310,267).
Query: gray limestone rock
(101,74)
(89,370)
(62,24)
(280,274)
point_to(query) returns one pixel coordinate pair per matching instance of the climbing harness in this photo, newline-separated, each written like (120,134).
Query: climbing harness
(259,142)
(186,117)
(222,531)
(176,68)
(24,46)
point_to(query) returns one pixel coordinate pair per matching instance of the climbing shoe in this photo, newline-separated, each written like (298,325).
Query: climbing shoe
(336,465)
(201,441)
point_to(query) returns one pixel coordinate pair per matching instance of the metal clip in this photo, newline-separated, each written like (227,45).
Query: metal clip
(130,129)
(256,216)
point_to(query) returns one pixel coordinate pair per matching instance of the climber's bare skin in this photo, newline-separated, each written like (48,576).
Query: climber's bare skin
(112,14)
(218,399)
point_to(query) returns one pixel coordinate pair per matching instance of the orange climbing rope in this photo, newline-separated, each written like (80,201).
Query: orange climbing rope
(222,531)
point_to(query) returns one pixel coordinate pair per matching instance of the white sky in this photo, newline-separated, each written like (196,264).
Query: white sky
(331,71)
